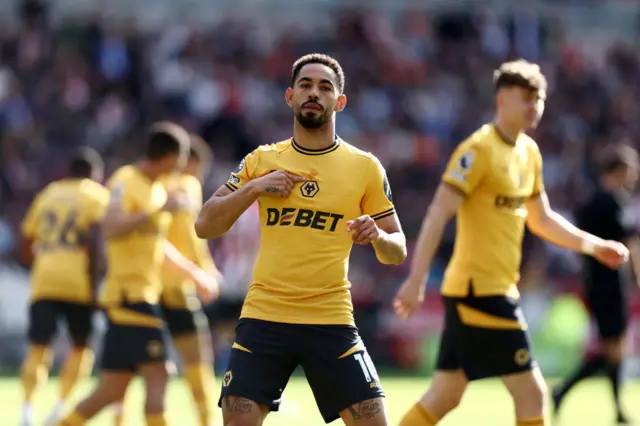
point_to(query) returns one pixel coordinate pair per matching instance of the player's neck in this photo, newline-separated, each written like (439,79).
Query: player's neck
(507,131)
(148,170)
(316,139)
(610,185)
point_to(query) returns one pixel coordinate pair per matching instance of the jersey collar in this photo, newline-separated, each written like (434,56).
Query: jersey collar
(322,151)
(501,136)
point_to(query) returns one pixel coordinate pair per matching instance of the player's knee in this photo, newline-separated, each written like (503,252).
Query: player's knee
(445,393)
(109,394)
(530,396)
(189,348)
(238,411)
(441,403)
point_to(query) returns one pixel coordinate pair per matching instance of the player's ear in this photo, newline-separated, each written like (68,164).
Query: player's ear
(499,96)
(288,97)
(341,103)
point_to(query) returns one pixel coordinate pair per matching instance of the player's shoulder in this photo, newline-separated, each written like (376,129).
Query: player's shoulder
(128,176)
(480,139)
(122,174)
(357,154)
(529,143)
(272,148)
(179,180)
(47,195)
(127,180)
(50,189)
(478,143)
(183,182)
(189,181)
(94,191)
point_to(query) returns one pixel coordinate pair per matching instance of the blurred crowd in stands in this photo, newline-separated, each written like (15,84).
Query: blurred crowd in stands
(417,84)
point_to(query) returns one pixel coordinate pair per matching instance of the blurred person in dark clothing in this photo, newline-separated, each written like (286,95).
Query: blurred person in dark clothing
(603,215)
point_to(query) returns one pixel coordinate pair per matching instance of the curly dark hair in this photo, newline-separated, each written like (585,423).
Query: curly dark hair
(318,58)
(521,73)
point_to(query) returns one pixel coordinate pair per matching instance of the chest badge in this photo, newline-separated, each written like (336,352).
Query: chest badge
(309,188)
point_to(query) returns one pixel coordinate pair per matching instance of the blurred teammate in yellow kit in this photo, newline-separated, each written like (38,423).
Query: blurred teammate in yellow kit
(136,227)
(181,308)
(60,230)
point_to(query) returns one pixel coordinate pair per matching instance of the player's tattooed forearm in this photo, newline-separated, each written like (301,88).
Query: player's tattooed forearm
(272,189)
(238,405)
(366,409)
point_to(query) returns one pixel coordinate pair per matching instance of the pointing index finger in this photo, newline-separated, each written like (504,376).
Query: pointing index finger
(296,178)
(353,224)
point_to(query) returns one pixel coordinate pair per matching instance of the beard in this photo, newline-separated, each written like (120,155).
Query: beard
(312,121)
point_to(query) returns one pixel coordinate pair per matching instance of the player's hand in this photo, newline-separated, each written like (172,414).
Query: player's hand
(277,184)
(409,298)
(207,286)
(611,253)
(363,230)
(176,201)
(217,275)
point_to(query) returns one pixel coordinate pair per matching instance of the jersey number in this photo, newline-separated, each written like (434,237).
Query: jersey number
(368,369)
(59,231)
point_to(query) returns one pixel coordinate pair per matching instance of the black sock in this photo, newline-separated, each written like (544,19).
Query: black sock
(589,367)
(613,373)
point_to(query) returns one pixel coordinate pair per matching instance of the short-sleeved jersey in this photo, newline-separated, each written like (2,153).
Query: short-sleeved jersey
(603,216)
(300,275)
(182,232)
(58,222)
(496,178)
(135,259)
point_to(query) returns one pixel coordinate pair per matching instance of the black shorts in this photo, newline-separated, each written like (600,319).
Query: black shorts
(44,316)
(335,361)
(485,337)
(607,303)
(182,321)
(223,310)
(127,347)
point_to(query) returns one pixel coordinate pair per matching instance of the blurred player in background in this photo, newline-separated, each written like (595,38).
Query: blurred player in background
(603,215)
(494,184)
(181,308)
(318,196)
(238,251)
(135,227)
(61,229)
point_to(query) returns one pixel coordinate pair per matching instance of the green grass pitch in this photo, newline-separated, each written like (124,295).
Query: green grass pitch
(485,404)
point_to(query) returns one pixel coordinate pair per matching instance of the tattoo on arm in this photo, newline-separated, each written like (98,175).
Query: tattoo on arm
(366,409)
(238,405)
(272,189)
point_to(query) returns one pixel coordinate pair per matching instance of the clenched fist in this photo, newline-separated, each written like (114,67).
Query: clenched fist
(611,253)
(207,285)
(363,230)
